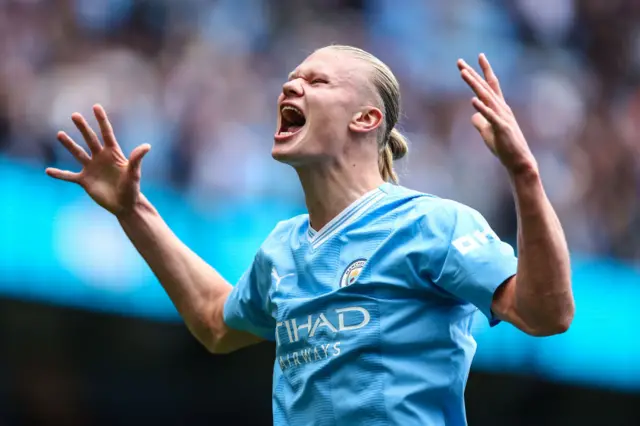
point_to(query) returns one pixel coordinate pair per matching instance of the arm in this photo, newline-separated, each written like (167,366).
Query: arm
(113,181)
(198,292)
(538,300)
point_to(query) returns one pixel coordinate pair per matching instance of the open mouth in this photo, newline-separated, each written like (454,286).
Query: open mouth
(291,122)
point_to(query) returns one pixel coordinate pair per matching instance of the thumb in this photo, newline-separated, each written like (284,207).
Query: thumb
(483,127)
(479,122)
(135,159)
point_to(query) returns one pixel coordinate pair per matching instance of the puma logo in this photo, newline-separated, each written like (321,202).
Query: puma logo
(278,278)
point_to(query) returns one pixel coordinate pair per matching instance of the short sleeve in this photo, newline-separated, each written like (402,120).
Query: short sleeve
(465,257)
(246,306)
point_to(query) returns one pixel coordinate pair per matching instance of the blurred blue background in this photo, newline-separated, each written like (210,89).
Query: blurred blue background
(199,79)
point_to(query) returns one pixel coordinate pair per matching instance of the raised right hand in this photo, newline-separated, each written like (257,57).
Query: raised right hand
(112,180)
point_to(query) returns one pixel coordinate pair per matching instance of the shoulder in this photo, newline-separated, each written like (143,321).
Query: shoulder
(284,231)
(428,210)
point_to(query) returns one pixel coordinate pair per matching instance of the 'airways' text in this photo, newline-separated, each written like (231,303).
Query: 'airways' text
(308,355)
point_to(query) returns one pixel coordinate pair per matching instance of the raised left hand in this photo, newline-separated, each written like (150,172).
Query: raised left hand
(495,120)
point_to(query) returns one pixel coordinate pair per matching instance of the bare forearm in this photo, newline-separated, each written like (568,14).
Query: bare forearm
(194,287)
(543,295)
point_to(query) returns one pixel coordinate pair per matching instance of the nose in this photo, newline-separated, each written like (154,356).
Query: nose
(292,88)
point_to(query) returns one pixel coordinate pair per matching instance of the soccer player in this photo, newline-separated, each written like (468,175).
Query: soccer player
(369,297)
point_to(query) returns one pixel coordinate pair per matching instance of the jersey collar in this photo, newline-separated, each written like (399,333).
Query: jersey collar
(344,218)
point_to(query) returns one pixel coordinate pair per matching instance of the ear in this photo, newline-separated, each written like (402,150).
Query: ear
(367,120)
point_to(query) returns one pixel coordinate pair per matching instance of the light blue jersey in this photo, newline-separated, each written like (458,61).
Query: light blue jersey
(372,314)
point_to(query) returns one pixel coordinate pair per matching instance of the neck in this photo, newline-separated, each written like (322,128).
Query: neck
(329,189)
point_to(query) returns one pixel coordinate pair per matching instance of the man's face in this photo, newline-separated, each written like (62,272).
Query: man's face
(317,104)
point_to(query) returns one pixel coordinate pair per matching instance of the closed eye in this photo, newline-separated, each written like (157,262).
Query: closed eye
(318,81)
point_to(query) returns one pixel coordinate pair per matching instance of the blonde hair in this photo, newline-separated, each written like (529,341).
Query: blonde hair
(392,145)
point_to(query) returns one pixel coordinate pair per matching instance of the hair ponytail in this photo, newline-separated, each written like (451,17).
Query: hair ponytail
(395,148)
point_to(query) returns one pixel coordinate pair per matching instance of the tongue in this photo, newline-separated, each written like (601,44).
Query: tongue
(292,129)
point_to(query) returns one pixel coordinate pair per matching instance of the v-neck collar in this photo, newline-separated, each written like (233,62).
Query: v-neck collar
(345,217)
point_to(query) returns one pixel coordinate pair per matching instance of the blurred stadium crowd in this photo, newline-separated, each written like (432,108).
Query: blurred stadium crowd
(198,79)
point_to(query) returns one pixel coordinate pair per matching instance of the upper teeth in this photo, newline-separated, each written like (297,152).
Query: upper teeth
(292,108)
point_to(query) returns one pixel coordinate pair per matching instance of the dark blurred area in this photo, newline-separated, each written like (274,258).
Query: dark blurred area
(76,368)
(65,367)
(198,79)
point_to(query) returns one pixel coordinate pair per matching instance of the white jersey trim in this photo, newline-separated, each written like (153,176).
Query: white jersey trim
(344,218)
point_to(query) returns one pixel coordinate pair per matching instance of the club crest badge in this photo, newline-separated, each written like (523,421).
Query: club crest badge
(352,272)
